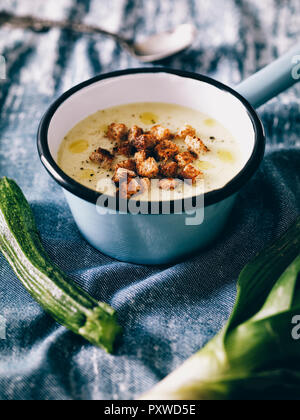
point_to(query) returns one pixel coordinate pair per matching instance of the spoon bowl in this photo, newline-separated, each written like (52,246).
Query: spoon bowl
(164,45)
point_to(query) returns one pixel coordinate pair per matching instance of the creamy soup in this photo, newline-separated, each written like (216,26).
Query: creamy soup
(218,162)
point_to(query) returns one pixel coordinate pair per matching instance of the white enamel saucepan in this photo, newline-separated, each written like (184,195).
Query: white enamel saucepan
(163,238)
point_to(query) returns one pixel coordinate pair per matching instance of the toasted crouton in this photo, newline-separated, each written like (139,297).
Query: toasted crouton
(185,158)
(117,132)
(128,189)
(169,170)
(168,184)
(190,172)
(125,149)
(161,133)
(102,157)
(185,131)
(144,142)
(148,168)
(166,149)
(127,164)
(122,174)
(140,157)
(196,145)
(134,133)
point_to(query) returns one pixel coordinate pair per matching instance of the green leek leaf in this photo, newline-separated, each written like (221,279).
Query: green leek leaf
(256,355)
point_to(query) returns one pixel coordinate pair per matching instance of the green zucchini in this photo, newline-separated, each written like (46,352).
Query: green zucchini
(60,297)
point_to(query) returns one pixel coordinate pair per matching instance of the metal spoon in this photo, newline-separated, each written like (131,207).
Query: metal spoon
(155,48)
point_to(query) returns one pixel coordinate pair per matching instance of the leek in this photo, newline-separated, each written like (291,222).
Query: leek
(256,355)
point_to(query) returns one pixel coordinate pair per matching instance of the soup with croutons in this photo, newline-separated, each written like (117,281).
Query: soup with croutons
(150,151)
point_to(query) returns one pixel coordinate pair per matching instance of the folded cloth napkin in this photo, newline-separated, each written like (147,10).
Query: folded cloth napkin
(167,312)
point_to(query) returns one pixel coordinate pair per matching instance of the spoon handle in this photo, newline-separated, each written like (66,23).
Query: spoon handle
(40,25)
(282,74)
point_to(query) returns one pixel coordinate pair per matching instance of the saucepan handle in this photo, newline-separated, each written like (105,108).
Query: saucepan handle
(273,79)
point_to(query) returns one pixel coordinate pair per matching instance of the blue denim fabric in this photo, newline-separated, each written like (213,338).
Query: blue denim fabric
(167,312)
